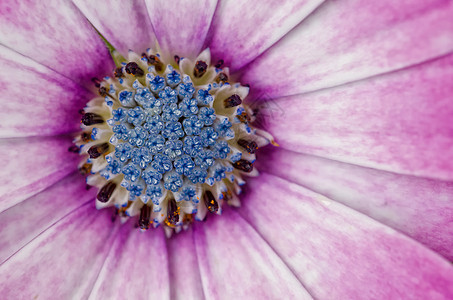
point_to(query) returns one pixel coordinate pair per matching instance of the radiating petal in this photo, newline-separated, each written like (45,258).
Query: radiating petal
(25,221)
(400,122)
(125,24)
(421,208)
(235,262)
(181,26)
(63,262)
(184,270)
(344,41)
(242,30)
(56,34)
(339,253)
(31,165)
(136,267)
(36,100)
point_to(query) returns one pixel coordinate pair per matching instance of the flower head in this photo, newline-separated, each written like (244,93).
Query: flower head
(356,203)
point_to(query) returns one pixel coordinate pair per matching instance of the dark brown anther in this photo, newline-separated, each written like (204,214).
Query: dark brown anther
(81,111)
(88,187)
(222,77)
(177,59)
(145,56)
(200,69)
(250,147)
(118,73)
(85,136)
(172,212)
(97,150)
(243,165)
(244,117)
(247,85)
(91,119)
(232,101)
(145,216)
(106,192)
(219,64)
(155,61)
(96,81)
(134,69)
(73,149)
(85,169)
(210,202)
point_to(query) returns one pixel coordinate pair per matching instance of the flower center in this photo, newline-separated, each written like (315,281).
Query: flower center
(168,141)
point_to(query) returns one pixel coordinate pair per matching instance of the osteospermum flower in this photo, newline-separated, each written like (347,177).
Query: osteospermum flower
(356,203)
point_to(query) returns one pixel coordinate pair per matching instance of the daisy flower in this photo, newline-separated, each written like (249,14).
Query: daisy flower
(344,107)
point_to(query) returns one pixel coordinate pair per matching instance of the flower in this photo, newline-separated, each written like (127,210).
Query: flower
(356,203)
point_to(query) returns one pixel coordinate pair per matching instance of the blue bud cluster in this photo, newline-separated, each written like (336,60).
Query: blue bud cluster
(167,137)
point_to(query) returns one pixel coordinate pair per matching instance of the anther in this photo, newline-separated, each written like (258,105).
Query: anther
(73,149)
(91,119)
(81,111)
(134,69)
(219,63)
(222,77)
(118,73)
(249,146)
(155,61)
(103,92)
(243,165)
(145,216)
(177,59)
(85,169)
(97,150)
(244,117)
(106,192)
(145,56)
(210,202)
(96,81)
(173,212)
(232,101)
(85,137)
(200,69)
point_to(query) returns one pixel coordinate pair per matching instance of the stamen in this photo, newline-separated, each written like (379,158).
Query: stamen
(85,169)
(73,149)
(106,192)
(219,63)
(250,147)
(145,216)
(200,69)
(96,81)
(97,150)
(173,212)
(222,77)
(210,202)
(232,101)
(243,165)
(134,69)
(155,61)
(118,73)
(85,136)
(91,119)
(177,59)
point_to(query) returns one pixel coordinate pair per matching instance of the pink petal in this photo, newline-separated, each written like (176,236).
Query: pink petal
(23,222)
(36,100)
(240,31)
(181,26)
(400,122)
(345,41)
(31,165)
(57,35)
(420,208)
(125,24)
(339,253)
(64,261)
(136,267)
(184,270)
(236,263)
